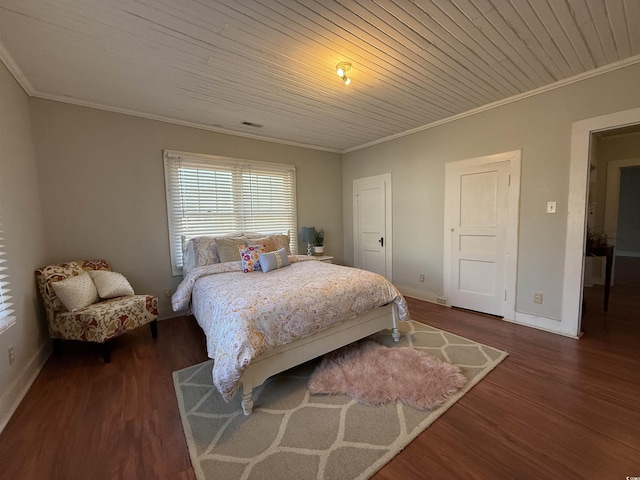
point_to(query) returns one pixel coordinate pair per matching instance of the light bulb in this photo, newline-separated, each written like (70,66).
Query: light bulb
(340,72)
(347,80)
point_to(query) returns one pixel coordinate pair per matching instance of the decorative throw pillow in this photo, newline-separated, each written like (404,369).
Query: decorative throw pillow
(76,292)
(228,248)
(111,284)
(250,256)
(273,260)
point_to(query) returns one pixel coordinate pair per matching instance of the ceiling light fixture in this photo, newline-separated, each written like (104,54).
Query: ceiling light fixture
(342,68)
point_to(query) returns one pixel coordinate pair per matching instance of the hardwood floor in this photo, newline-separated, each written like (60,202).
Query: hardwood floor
(555,408)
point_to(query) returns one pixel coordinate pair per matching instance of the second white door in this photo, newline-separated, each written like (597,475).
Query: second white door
(477,197)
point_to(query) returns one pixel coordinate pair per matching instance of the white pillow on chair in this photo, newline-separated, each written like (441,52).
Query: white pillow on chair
(76,292)
(111,284)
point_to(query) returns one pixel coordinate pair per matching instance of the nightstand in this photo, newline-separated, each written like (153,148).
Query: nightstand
(324,258)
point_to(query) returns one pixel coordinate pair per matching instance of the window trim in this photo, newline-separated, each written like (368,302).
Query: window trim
(7,318)
(171,159)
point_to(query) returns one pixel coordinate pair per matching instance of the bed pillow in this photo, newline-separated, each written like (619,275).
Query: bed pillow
(273,242)
(188,255)
(273,260)
(228,248)
(267,241)
(282,241)
(250,256)
(76,292)
(205,251)
(111,284)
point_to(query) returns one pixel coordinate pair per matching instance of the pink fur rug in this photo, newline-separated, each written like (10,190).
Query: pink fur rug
(374,374)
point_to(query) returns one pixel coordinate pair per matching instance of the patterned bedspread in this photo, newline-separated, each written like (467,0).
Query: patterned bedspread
(246,314)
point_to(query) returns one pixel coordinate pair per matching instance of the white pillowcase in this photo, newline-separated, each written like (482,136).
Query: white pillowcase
(111,284)
(76,292)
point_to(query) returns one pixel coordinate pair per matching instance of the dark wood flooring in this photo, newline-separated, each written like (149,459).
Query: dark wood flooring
(556,408)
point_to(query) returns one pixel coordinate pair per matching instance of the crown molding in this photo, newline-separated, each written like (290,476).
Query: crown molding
(12,66)
(560,83)
(17,73)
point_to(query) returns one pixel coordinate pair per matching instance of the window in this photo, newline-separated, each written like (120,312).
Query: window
(6,317)
(209,195)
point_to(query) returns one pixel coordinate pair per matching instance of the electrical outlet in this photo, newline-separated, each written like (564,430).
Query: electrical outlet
(537,298)
(551,207)
(441,300)
(12,355)
(167,293)
(421,278)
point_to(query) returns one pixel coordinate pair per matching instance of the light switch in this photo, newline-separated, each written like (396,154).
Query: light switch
(551,207)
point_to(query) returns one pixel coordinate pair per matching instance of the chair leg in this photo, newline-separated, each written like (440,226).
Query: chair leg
(154,328)
(57,346)
(106,352)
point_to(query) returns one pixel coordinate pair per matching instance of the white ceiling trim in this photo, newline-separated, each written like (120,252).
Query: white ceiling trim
(11,65)
(6,58)
(174,121)
(560,83)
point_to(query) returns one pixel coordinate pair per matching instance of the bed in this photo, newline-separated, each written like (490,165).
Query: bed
(258,324)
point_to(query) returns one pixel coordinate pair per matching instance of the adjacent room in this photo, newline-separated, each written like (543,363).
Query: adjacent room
(469,169)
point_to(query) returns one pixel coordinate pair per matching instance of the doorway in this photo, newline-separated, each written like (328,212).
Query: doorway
(577,211)
(372,217)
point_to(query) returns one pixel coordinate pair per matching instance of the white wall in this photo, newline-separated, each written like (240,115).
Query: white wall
(628,236)
(539,125)
(610,149)
(104,196)
(25,246)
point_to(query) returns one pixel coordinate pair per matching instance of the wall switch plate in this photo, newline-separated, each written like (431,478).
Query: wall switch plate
(537,298)
(421,278)
(551,207)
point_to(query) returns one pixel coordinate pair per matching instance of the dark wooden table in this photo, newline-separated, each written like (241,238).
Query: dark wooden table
(604,251)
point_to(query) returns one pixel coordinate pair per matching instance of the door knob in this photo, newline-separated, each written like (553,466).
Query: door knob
(381,241)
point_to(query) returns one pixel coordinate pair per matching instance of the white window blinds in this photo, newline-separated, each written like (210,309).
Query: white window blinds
(6,312)
(209,195)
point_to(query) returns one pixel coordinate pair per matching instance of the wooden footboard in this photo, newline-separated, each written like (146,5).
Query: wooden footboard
(287,356)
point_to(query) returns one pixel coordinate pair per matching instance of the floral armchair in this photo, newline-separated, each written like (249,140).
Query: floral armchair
(102,313)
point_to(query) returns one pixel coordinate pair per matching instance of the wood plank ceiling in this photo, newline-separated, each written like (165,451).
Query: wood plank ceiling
(219,63)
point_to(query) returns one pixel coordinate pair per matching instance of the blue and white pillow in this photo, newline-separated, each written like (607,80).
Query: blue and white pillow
(273,260)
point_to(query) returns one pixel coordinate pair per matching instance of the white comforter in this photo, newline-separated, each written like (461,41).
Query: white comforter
(246,314)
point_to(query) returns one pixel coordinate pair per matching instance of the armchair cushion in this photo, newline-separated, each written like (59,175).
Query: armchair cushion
(76,292)
(105,320)
(111,284)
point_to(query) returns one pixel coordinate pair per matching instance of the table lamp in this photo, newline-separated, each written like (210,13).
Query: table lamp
(308,236)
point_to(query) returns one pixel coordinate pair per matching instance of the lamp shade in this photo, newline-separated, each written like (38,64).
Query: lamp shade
(307,234)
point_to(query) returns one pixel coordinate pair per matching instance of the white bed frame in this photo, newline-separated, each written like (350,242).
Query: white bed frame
(299,351)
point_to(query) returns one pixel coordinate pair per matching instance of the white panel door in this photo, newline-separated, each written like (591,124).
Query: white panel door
(372,214)
(478,237)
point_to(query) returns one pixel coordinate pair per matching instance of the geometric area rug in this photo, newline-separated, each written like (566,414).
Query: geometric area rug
(294,434)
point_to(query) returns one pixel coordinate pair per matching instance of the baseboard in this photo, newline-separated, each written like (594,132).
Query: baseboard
(425,295)
(165,313)
(541,323)
(18,389)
